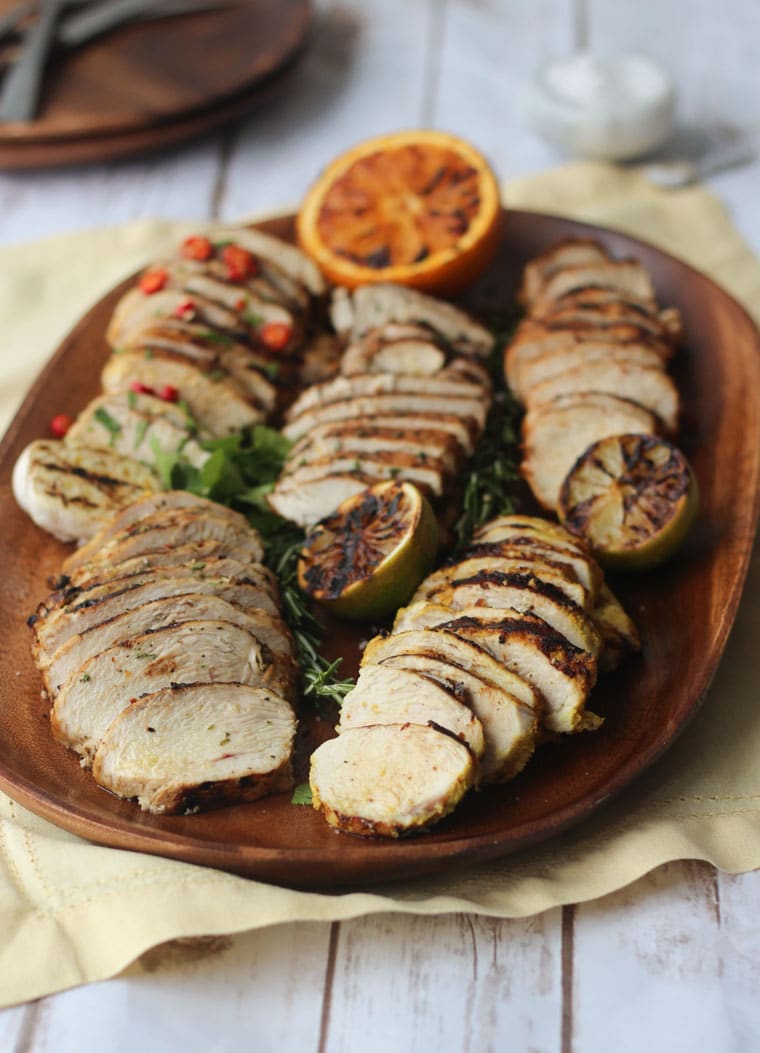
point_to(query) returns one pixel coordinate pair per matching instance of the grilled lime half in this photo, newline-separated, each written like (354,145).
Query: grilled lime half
(365,560)
(632,498)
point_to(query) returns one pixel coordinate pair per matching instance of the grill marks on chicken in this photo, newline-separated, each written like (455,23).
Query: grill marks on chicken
(589,360)
(411,402)
(508,639)
(208,342)
(174,679)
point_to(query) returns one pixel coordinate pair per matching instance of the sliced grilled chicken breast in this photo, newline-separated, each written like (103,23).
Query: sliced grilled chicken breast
(423,471)
(505,704)
(191,652)
(374,306)
(526,644)
(362,384)
(649,387)
(619,634)
(536,548)
(410,426)
(198,745)
(599,305)
(218,405)
(269,630)
(136,426)
(135,311)
(511,525)
(154,533)
(384,695)
(61,623)
(572,252)
(527,594)
(388,780)
(502,560)
(370,406)
(288,258)
(591,354)
(73,491)
(165,502)
(555,435)
(359,436)
(307,502)
(216,571)
(626,277)
(410,349)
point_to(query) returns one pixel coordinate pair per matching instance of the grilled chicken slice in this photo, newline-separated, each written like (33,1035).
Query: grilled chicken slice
(528,594)
(384,695)
(555,435)
(359,436)
(603,305)
(512,525)
(413,350)
(289,260)
(135,311)
(198,745)
(470,412)
(504,560)
(563,674)
(137,426)
(269,630)
(571,252)
(342,388)
(73,491)
(191,652)
(507,706)
(61,623)
(166,502)
(649,387)
(374,306)
(539,549)
(387,780)
(408,427)
(113,580)
(161,530)
(193,554)
(425,472)
(628,278)
(619,634)
(593,353)
(218,404)
(308,502)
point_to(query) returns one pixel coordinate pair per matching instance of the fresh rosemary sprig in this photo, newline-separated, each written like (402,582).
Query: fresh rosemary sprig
(492,473)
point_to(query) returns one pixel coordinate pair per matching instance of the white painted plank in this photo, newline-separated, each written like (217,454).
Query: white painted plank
(364,73)
(12,1026)
(179,185)
(199,995)
(452,983)
(739,896)
(647,967)
(490,50)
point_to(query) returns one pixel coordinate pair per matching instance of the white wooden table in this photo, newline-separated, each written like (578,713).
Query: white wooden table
(671,963)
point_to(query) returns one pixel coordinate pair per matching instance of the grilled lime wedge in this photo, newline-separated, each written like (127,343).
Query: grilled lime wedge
(366,559)
(632,498)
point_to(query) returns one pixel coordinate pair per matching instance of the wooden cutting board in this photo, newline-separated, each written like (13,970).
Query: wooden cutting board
(150,84)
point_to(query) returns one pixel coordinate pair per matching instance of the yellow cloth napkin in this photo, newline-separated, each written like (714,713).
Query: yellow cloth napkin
(72,912)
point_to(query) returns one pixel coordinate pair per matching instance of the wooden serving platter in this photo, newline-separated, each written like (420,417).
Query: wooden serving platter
(684,613)
(151,84)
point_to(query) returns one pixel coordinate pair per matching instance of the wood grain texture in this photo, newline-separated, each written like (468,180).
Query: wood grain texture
(684,613)
(465,983)
(155,83)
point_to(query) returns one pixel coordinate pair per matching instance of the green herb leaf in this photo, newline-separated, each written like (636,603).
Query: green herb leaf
(302,794)
(102,416)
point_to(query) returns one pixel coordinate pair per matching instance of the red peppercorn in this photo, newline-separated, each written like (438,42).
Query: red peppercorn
(275,335)
(241,304)
(60,424)
(168,393)
(197,247)
(185,309)
(240,263)
(141,389)
(153,281)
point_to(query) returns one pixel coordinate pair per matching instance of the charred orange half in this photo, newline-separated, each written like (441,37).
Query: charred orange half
(419,208)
